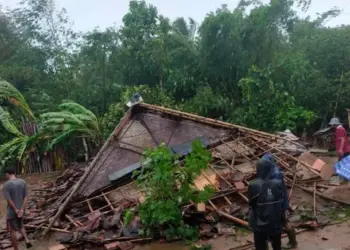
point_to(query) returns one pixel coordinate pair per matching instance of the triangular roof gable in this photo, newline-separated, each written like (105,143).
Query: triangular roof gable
(146,125)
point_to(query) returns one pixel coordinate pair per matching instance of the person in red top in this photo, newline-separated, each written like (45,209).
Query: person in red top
(341,138)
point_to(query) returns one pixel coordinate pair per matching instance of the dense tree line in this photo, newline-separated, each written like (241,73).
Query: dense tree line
(260,65)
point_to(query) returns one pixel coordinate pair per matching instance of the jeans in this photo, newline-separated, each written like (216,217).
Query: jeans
(261,239)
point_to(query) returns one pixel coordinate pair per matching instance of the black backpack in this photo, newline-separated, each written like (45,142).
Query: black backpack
(267,213)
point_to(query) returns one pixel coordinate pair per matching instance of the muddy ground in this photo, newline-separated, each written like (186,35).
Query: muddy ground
(335,237)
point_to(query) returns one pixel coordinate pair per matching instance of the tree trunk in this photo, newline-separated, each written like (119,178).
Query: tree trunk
(86,149)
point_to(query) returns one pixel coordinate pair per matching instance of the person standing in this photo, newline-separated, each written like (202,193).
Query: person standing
(341,138)
(16,193)
(289,230)
(266,217)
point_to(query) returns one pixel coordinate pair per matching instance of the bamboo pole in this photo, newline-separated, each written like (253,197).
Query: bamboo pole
(315,199)
(118,129)
(108,201)
(291,189)
(320,194)
(295,159)
(89,206)
(72,221)
(52,228)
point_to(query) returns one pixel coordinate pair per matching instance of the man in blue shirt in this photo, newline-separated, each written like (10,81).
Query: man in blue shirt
(290,231)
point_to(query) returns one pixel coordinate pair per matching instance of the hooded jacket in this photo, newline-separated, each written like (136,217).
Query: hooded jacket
(265,201)
(277,174)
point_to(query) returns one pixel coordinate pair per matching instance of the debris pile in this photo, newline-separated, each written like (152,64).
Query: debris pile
(96,216)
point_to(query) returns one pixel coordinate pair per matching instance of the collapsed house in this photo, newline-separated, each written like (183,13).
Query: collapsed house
(107,187)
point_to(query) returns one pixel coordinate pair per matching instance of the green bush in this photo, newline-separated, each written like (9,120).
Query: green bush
(168,185)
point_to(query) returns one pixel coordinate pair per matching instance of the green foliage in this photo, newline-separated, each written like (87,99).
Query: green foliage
(11,94)
(301,73)
(19,147)
(7,124)
(208,103)
(116,111)
(168,184)
(128,216)
(54,127)
(269,106)
(72,119)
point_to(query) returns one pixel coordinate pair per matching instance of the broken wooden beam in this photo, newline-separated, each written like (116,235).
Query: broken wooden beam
(228,216)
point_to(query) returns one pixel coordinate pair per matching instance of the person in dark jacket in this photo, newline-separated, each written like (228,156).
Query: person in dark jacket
(266,216)
(289,230)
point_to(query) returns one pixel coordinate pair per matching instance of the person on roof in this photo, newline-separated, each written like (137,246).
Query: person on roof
(289,230)
(266,217)
(341,139)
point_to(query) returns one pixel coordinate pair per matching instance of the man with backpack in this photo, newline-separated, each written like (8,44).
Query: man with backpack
(266,212)
(288,229)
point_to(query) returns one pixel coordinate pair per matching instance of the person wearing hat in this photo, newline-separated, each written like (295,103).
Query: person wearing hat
(341,139)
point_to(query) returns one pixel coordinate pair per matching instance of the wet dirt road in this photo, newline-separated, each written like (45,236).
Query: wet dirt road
(334,237)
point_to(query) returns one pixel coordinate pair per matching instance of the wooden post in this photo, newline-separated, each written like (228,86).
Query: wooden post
(315,213)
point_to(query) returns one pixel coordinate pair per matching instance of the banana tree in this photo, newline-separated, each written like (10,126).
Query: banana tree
(72,119)
(11,94)
(21,143)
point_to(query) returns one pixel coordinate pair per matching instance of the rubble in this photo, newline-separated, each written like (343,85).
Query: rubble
(106,190)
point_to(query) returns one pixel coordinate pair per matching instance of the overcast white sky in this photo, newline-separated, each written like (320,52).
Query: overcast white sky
(88,14)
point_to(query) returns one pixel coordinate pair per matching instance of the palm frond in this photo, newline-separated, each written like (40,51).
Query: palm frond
(7,124)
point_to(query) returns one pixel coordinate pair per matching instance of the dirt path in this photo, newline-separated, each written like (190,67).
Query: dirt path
(334,237)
